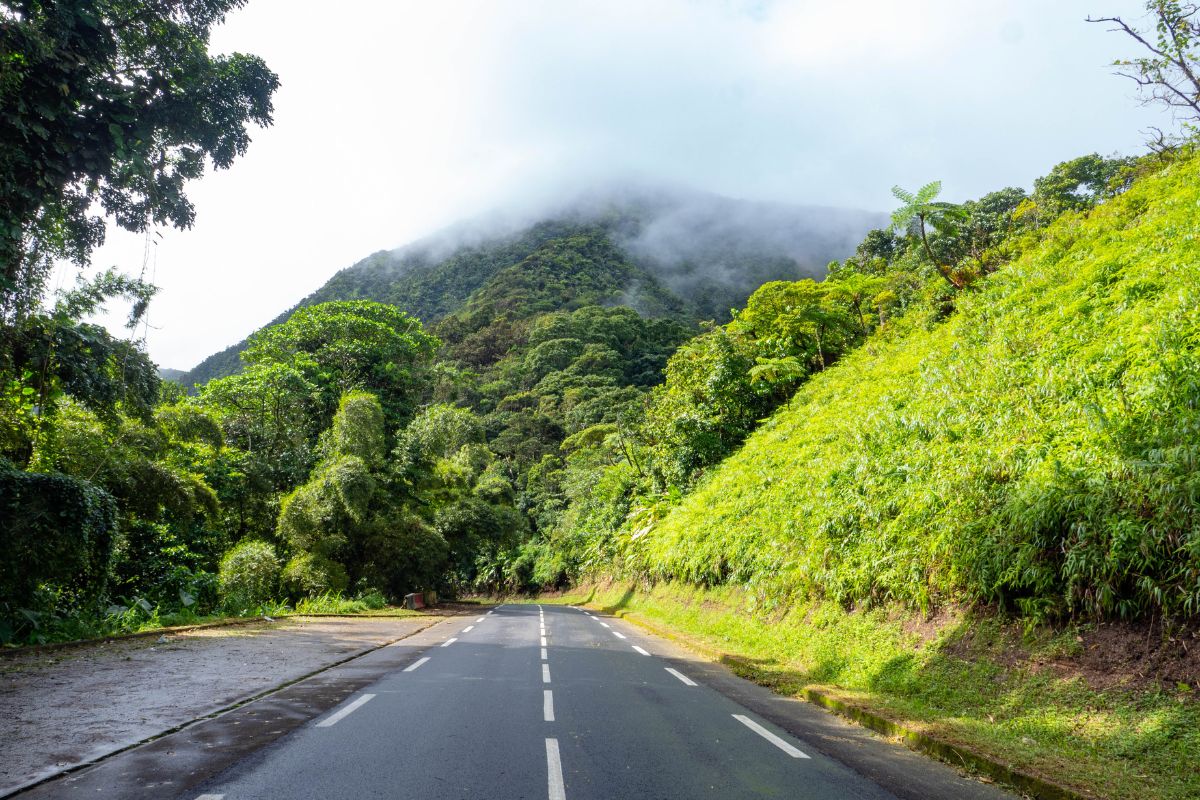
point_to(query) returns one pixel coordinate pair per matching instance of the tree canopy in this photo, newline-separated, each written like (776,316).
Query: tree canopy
(114,103)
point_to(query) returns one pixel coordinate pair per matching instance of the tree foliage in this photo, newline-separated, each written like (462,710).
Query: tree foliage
(116,104)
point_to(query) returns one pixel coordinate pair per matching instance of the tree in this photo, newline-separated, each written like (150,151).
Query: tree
(1081,183)
(1170,75)
(350,345)
(923,209)
(348,525)
(115,103)
(50,356)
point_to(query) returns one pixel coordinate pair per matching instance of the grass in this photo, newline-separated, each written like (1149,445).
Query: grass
(969,679)
(333,603)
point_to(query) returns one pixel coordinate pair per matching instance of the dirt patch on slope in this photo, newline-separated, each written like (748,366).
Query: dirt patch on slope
(1136,655)
(67,707)
(1130,655)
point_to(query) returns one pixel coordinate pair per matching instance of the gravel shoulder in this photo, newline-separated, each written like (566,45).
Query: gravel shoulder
(60,709)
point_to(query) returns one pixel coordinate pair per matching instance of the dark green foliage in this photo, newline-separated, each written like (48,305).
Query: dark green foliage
(113,103)
(56,545)
(1081,183)
(311,575)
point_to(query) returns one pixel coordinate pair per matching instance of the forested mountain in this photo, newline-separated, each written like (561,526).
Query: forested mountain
(661,252)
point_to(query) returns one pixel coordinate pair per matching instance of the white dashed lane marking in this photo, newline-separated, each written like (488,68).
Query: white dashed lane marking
(794,752)
(554,776)
(338,716)
(681,676)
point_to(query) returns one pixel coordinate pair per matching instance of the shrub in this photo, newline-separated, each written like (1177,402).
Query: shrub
(55,531)
(373,599)
(309,575)
(249,575)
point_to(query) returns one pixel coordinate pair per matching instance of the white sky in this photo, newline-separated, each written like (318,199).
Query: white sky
(395,119)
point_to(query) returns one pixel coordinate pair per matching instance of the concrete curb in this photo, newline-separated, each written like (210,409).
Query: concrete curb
(7,793)
(954,754)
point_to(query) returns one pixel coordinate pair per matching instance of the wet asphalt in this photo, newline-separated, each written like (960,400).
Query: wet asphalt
(495,714)
(522,701)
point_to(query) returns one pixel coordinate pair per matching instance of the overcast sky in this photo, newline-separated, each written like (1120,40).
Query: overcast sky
(394,119)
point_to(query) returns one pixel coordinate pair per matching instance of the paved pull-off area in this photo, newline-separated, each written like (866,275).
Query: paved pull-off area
(522,701)
(60,708)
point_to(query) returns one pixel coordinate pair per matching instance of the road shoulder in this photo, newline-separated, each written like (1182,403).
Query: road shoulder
(297,670)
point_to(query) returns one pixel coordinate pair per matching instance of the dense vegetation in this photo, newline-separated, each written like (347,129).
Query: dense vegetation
(541,430)
(1035,449)
(689,253)
(989,401)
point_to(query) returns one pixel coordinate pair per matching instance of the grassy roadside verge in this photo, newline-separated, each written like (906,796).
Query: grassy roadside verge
(969,680)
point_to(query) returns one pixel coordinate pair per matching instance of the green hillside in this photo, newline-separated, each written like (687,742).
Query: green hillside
(1037,450)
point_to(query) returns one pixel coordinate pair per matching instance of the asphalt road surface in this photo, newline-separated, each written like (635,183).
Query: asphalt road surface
(540,702)
(520,701)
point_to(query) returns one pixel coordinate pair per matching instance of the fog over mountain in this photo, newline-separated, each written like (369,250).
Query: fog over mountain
(707,252)
(420,114)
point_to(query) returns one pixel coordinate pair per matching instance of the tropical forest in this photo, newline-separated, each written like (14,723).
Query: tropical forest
(937,461)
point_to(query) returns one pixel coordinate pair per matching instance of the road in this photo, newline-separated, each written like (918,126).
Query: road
(528,701)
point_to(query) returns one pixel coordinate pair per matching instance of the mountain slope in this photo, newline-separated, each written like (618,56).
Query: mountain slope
(1037,449)
(679,253)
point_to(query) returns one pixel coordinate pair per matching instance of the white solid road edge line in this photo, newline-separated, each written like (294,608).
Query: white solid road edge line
(548,705)
(770,737)
(681,676)
(640,650)
(416,664)
(554,778)
(449,642)
(337,717)
(545,673)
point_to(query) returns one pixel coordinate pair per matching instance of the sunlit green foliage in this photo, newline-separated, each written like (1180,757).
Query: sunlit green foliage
(347,526)
(1033,450)
(349,345)
(249,575)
